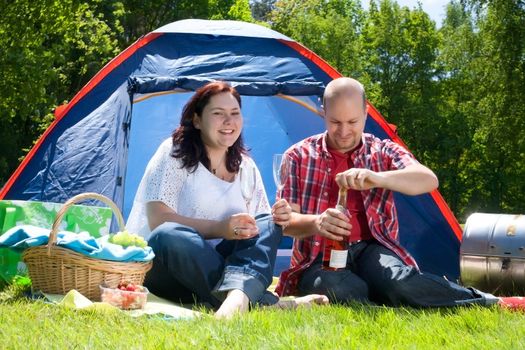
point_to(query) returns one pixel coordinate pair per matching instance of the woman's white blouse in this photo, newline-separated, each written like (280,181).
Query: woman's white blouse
(199,195)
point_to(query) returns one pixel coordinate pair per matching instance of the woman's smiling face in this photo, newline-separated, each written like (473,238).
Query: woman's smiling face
(221,121)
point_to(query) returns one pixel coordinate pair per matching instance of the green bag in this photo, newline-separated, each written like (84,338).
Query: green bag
(95,220)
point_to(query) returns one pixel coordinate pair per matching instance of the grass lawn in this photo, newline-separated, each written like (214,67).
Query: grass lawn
(31,325)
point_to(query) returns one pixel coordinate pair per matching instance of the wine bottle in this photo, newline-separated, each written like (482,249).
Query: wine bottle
(335,253)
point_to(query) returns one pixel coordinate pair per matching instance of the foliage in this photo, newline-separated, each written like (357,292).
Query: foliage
(329,28)
(261,9)
(483,94)
(140,17)
(455,93)
(230,9)
(240,10)
(496,177)
(459,54)
(399,51)
(49,49)
(16,290)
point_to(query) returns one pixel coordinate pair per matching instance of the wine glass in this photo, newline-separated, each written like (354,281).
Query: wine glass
(248,179)
(280,172)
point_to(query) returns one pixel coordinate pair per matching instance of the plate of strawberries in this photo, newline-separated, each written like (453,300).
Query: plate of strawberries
(127,295)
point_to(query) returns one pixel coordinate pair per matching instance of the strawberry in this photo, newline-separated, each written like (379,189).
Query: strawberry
(123,285)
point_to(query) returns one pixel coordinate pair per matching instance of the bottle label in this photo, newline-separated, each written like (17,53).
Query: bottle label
(338,258)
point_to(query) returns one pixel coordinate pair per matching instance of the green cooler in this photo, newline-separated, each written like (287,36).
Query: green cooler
(95,220)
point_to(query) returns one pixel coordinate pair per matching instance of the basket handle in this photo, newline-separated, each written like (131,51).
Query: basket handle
(79,198)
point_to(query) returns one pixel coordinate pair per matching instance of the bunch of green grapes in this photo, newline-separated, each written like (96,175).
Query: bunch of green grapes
(126,239)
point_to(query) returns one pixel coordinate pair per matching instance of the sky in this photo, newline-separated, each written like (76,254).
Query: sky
(434,8)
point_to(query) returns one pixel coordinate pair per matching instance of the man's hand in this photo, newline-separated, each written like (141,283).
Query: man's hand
(412,180)
(359,179)
(333,224)
(282,213)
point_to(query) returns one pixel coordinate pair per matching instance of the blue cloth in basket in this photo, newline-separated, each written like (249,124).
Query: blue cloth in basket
(26,236)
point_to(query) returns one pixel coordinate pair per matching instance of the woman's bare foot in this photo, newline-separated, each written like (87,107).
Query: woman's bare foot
(236,302)
(306,301)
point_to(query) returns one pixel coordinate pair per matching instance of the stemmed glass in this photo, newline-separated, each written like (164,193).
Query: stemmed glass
(248,179)
(280,172)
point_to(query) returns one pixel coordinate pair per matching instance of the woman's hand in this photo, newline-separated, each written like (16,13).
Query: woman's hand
(239,226)
(282,213)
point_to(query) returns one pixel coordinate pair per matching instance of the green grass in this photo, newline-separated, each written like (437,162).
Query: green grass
(25,324)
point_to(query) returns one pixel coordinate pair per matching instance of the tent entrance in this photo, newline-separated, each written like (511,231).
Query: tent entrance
(271,125)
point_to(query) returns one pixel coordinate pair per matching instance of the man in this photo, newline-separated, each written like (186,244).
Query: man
(378,268)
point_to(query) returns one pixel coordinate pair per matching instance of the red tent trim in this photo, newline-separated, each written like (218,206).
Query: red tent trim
(312,57)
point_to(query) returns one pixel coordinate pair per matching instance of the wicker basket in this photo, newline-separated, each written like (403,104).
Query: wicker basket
(57,270)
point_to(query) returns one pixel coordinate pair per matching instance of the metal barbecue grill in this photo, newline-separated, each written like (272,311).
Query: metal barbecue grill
(492,255)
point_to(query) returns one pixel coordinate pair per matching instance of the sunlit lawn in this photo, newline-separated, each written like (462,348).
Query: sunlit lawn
(27,324)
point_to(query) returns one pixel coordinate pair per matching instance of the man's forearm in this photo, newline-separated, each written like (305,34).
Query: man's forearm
(413,180)
(301,225)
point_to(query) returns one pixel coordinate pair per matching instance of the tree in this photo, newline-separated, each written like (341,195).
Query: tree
(230,9)
(495,164)
(141,17)
(49,49)
(457,95)
(400,47)
(262,9)
(330,28)
(459,53)
(240,10)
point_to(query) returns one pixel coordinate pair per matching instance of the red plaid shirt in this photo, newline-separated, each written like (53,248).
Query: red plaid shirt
(310,164)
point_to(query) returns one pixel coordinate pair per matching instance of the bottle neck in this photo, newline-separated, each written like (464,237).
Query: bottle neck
(341,199)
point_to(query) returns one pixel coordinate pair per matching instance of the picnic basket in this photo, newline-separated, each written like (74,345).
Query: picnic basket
(57,270)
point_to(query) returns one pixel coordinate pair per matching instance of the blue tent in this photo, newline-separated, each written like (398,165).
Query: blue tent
(102,140)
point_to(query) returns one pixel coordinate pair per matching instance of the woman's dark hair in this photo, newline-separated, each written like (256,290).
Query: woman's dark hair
(187,141)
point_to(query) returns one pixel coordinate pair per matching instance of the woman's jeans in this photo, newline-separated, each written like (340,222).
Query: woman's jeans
(187,269)
(376,274)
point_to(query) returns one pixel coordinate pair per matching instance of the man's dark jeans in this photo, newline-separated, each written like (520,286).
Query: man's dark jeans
(376,274)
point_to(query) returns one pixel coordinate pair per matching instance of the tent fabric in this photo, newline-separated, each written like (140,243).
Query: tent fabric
(146,84)
(101,141)
(222,28)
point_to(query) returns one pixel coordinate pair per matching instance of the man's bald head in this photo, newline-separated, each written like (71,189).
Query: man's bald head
(343,87)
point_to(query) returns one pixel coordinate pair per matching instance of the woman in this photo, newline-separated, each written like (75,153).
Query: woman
(210,243)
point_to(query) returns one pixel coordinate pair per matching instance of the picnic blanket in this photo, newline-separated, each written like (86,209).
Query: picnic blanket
(155,306)
(22,237)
